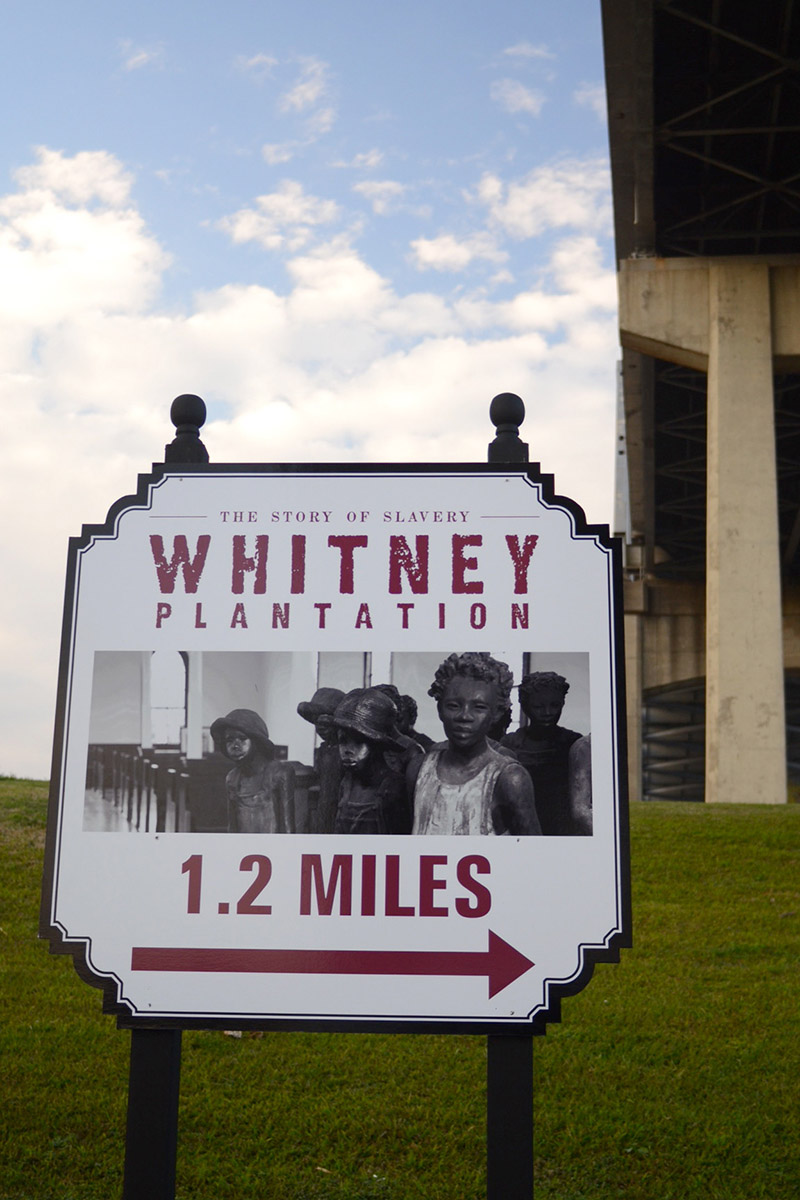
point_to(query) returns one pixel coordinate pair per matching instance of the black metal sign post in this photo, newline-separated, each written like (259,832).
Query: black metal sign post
(509,1117)
(509,1058)
(177,561)
(151,1135)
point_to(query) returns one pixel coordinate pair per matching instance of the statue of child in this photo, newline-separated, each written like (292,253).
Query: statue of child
(319,711)
(466,785)
(543,746)
(258,786)
(373,796)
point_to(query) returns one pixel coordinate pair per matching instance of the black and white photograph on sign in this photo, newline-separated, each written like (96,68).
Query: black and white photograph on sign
(342,742)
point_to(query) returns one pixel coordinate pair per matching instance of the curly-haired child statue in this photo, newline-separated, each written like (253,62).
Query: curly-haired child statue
(465,785)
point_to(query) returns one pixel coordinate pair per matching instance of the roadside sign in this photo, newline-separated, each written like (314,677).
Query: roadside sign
(225,590)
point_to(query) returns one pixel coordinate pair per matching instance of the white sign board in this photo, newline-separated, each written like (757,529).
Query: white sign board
(218,591)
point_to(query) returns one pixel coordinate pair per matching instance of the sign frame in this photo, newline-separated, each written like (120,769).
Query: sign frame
(556,990)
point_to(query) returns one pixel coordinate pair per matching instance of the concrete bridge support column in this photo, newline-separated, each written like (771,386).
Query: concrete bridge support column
(745,722)
(734,318)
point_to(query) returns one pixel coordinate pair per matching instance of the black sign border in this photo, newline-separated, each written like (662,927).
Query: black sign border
(110,984)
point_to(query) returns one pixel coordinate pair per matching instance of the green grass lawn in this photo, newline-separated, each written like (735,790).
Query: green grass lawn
(675,1075)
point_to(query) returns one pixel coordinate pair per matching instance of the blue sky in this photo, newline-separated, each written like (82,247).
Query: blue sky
(187,96)
(346,225)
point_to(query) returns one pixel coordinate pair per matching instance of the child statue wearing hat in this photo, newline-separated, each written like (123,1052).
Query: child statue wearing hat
(319,712)
(373,796)
(258,786)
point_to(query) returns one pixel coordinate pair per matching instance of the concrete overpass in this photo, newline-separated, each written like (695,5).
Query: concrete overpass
(704,121)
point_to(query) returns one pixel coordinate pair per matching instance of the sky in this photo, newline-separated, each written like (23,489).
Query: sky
(346,226)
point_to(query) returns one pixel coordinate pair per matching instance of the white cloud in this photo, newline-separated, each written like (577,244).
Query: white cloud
(574,192)
(528,50)
(259,66)
(276,153)
(310,100)
(320,122)
(281,220)
(135,57)
(81,178)
(381,193)
(311,87)
(367,160)
(514,97)
(593,96)
(69,242)
(335,366)
(333,286)
(578,269)
(448,253)
(575,289)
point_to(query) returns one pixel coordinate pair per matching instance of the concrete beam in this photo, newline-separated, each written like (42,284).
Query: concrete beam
(664,307)
(785,308)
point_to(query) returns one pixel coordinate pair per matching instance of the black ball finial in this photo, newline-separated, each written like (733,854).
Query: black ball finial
(187,414)
(507,412)
(507,409)
(188,410)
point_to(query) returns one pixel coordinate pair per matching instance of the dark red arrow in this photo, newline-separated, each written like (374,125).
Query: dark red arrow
(501,963)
